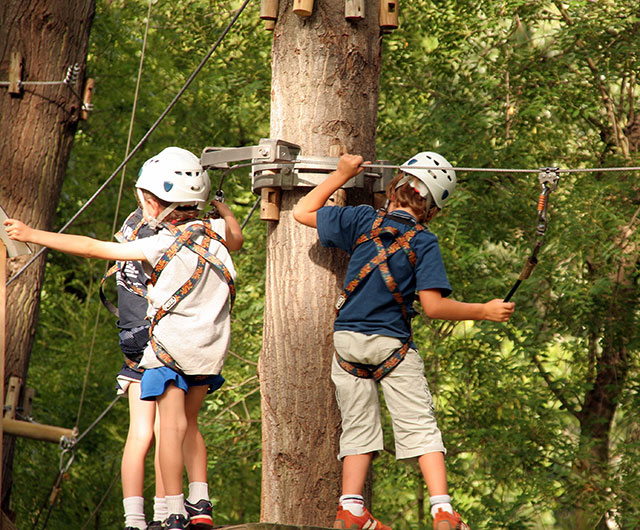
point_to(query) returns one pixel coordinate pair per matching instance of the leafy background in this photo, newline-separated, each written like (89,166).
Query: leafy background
(489,84)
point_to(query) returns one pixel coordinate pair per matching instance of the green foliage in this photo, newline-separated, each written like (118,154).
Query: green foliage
(511,84)
(519,85)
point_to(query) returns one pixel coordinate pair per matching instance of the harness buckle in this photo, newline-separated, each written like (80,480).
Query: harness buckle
(168,305)
(340,302)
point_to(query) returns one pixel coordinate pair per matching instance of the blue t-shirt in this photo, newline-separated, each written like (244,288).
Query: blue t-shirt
(371,308)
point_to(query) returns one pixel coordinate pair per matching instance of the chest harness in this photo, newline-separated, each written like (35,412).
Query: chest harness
(380,261)
(186,238)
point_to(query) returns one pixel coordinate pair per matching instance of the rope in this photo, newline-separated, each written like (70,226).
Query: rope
(64,467)
(115,215)
(133,116)
(253,209)
(143,139)
(104,497)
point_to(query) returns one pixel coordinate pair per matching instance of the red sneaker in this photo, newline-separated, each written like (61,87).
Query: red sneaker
(347,521)
(447,521)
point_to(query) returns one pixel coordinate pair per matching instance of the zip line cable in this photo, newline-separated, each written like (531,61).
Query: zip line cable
(143,139)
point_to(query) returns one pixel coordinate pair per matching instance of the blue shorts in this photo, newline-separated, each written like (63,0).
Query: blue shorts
(156,380)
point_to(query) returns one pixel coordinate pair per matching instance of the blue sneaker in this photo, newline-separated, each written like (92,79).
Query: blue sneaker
(200,514)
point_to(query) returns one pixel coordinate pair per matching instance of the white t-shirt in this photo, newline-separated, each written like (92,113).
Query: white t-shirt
(196,331)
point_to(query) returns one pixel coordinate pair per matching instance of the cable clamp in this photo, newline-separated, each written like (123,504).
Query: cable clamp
(280,164)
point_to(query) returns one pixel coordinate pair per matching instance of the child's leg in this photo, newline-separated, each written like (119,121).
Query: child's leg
(354,473)
(197,504)
(141,418)
(139,437)
(195,451)
(173,427)
(159,502)
(434,473)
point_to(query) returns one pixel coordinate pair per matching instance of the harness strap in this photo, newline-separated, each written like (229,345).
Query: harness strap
(380,261)
(119,267)
(185,238)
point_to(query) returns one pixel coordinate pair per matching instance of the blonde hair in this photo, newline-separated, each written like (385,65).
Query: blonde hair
(405,196)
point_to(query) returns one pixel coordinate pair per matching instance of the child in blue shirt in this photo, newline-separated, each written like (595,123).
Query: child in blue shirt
(392,256)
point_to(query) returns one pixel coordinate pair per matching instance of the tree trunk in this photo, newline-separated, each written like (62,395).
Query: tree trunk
(324,98)
(36,133)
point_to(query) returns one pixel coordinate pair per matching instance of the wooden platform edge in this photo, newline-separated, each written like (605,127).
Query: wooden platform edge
(272,526)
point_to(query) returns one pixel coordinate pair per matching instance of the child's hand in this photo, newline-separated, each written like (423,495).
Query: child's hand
(222,208)
(18,230)
(498,310)
(349,166)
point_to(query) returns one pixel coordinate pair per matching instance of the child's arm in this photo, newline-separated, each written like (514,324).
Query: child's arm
(72,244)
(233,231)
(305,211)
(436,306)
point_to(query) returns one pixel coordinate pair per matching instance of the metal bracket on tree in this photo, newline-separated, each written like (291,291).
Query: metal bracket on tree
(279,165)
(548,177)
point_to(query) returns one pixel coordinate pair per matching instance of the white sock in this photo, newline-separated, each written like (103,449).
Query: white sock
(134,512)
(160,512)
(440,502)
(198,491)
(175,504)
(353,503)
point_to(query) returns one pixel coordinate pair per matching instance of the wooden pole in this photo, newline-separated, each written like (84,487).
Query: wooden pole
(3,305)
(36,431)
(323,113)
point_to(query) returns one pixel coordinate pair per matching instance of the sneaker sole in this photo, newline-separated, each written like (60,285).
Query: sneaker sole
(201,523)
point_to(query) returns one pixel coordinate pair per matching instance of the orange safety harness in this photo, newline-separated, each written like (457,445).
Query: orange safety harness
(186,238)
(380,261)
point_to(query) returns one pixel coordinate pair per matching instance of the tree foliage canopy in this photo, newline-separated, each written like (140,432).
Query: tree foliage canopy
(539,415)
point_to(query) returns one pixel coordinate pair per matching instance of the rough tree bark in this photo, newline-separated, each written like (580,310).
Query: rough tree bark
(324,98)
(36,134)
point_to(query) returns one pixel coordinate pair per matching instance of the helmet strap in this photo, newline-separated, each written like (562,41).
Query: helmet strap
(419,187)
(154,222)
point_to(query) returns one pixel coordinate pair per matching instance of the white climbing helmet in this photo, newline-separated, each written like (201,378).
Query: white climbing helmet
(176,176)
(440,181)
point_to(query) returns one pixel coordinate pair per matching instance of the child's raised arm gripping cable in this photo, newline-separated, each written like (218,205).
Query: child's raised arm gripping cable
(392,256)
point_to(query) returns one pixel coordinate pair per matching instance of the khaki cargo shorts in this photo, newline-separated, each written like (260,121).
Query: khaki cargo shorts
(406,395)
